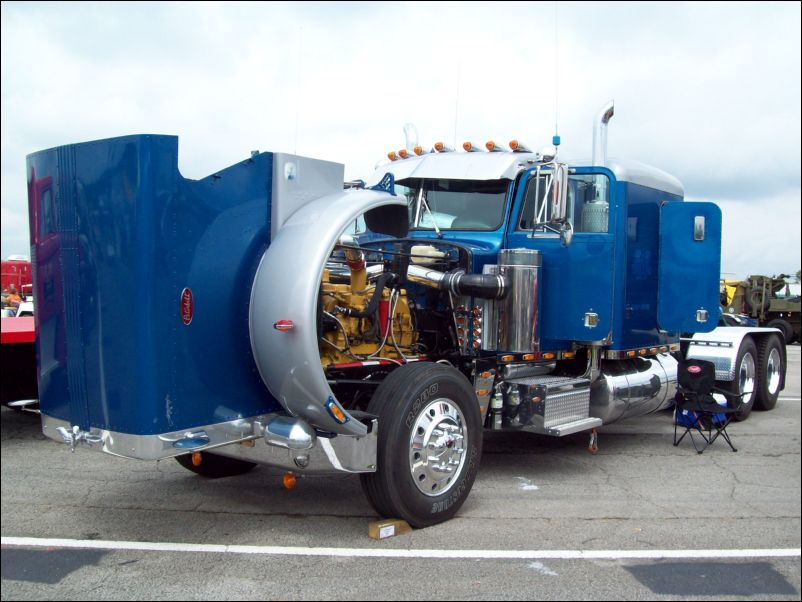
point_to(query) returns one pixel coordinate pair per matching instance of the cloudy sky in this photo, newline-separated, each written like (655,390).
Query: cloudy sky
(708,92)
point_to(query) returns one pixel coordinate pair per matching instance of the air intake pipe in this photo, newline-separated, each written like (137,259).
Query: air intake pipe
(457,282)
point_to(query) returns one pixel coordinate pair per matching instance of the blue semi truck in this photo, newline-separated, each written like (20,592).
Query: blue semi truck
(267,315)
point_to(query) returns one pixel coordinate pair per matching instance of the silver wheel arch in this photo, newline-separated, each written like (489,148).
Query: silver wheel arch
(286,287)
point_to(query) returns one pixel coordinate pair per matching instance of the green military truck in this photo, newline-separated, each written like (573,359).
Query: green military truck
(765,299)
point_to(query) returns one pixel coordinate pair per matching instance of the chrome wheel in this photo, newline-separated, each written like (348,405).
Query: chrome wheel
(773,371)
(437,447)
(746,377)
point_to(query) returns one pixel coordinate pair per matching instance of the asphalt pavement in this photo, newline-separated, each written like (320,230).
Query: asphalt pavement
(640,519)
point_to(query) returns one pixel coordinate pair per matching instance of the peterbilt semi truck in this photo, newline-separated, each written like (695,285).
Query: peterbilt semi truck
(267,315)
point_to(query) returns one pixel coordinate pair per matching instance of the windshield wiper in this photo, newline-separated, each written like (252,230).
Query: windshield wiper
(422,202)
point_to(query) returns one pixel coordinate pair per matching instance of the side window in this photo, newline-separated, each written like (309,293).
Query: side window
(588,203)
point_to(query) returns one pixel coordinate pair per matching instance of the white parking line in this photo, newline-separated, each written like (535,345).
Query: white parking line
(397,553)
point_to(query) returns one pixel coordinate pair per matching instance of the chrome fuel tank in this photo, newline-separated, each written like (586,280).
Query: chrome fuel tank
(635,387)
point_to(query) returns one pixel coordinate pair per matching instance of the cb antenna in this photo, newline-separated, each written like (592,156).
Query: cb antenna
(555,140)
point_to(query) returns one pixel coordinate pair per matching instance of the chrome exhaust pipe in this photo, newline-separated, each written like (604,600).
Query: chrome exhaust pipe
(600,134)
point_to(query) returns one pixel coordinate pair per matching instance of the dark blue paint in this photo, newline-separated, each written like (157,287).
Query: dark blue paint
(689,269)
(129,234)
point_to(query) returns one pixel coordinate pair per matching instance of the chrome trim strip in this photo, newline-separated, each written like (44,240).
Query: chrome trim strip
(161,445)
(334,455)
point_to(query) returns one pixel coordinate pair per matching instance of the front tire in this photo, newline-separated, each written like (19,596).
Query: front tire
(213,466)
(430,444)
(770,372)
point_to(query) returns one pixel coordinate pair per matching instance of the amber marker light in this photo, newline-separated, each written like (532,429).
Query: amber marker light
(403,153)
(418,150)
(467,146)
(439,146)
(392,156)
(528,357)
(630,354)
(507,358)
(568,354)
(197,459)
(289,481)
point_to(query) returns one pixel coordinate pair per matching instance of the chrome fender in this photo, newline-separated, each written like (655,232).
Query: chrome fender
(286,287)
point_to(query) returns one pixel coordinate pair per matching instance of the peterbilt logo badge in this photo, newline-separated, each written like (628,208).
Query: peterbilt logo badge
(694,369)
(187,306)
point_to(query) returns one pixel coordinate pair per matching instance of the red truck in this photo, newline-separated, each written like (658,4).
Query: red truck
(17,271)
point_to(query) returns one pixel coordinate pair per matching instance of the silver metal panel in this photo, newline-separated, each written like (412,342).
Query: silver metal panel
(518,311)
(456,166)
(550,382)
(329,455)
(569,428)
(566,407)
(240,439)
(489,316)
(286,288)
(163,445)
(721,346)
(297,181)
(628,388)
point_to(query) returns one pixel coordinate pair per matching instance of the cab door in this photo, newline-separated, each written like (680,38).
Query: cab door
(690,265)
(577,293)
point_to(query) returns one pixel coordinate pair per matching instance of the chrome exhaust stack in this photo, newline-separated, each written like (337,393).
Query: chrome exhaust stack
(600,134)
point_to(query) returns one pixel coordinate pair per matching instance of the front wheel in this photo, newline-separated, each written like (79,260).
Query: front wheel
(430,443)
(770,372)
(213,466)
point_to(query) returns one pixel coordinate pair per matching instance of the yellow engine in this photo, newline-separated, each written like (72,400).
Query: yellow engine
(388,332)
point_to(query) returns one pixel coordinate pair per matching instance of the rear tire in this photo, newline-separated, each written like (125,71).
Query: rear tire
(770,372)
(784,327)
(745,382)
(213,466)
(430,444)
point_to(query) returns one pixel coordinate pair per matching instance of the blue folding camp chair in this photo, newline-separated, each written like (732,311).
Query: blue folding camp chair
(697,411)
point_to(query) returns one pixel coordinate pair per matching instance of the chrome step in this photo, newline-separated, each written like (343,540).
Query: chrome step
(567,428)
(553,405)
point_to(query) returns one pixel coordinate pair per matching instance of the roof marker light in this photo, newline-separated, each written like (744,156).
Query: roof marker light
(518,147)
(418,150)
(392,156)
(470,147)
(442,147)
(493,147)
(403,153)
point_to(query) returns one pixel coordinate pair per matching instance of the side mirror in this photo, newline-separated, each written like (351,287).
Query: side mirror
(566,233)
(559,193)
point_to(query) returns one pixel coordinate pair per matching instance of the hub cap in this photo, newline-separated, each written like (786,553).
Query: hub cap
(773,368)
(746,377)
(437,447)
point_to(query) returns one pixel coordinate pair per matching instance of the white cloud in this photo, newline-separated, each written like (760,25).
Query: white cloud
(708,92)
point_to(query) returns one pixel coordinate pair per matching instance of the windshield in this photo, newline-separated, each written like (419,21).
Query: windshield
(454,204)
